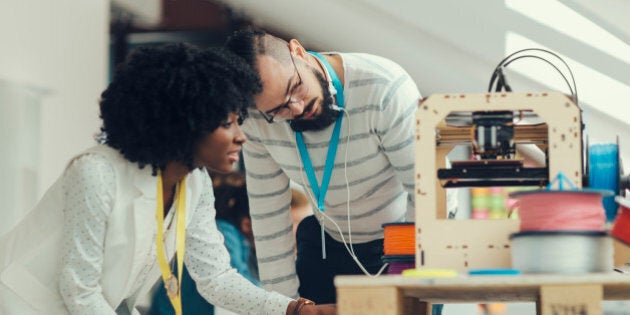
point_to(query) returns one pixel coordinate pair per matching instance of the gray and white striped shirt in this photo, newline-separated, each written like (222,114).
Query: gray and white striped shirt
(378,135)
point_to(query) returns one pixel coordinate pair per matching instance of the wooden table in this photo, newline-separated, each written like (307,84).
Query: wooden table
(553,294)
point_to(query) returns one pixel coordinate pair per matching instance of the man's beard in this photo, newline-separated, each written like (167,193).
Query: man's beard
(323,119)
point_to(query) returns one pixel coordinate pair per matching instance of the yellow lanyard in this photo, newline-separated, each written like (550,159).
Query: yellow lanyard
(172,283)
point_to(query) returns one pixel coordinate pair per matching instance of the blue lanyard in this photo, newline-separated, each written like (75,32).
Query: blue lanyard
(320,192)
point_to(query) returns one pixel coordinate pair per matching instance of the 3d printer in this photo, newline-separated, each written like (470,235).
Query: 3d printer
(493,124)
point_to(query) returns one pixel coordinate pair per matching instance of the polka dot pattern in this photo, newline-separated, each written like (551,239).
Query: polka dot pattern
(89,187)
(208,262)
(90,190)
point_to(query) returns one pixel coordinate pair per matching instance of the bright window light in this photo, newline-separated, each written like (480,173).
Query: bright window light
(601,91)
(561,18)
(594,88)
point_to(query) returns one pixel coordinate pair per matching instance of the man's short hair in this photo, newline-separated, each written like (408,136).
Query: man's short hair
(249,44)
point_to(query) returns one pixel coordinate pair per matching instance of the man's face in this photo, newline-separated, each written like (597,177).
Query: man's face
(296,92)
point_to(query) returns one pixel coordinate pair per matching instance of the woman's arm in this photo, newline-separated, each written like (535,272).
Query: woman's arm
(89,187)
(208,263)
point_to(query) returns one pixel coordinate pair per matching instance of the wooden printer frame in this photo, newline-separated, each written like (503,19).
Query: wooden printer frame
(473,244)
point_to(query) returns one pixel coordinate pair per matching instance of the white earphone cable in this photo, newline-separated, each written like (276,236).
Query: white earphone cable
(350,248)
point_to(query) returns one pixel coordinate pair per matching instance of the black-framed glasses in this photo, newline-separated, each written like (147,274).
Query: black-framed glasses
(284,112)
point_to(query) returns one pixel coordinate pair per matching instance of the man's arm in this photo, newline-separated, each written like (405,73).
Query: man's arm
(396,127)
(270,200)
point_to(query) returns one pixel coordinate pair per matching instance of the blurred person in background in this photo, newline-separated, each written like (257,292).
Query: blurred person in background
(235,223)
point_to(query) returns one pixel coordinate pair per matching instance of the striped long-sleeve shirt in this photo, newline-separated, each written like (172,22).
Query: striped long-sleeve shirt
(378,136)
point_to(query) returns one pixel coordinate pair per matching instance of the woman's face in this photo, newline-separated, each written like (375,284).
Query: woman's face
(219,149)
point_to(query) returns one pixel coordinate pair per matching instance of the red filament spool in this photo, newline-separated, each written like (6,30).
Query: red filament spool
(621,227)
(562,210)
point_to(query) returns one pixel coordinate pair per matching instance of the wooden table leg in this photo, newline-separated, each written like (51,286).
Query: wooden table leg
(622,253)
(572,299)
(412,305)
(372,300)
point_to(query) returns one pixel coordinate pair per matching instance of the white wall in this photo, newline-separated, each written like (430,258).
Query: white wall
(60,47)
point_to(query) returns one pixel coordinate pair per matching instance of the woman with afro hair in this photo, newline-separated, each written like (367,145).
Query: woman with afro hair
(107,229)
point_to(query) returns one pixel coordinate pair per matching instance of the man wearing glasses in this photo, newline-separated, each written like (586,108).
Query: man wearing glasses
(341,125)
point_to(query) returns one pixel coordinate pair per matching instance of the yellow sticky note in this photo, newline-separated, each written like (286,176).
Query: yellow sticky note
(430,273)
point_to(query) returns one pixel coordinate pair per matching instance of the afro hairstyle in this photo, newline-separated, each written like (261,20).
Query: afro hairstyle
(163,100)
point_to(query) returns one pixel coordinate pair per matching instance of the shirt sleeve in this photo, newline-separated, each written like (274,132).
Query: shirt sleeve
(208,263)
(396,127)
(89,187)
(238,248)
(269,203)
